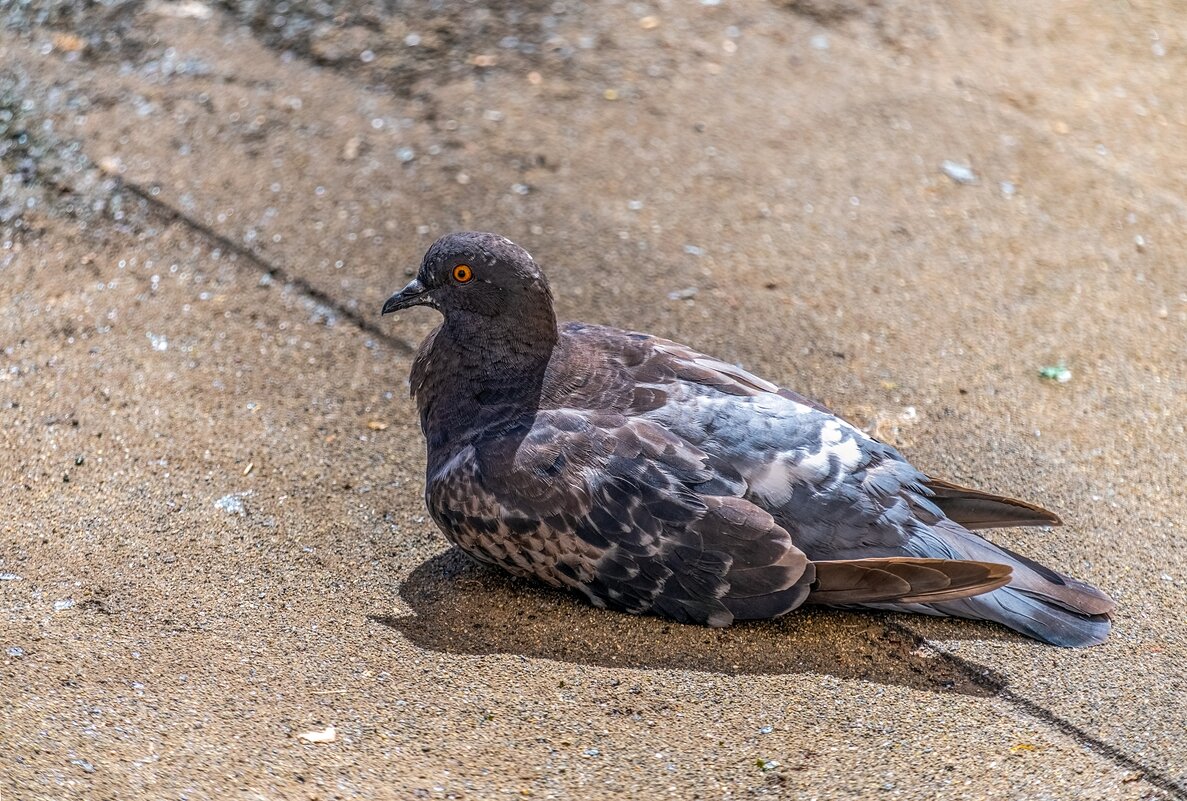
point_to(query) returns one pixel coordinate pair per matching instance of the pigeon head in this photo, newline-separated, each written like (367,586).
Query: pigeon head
(470,274)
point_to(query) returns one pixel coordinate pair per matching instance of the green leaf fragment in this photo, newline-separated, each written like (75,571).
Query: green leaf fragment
(1057,372)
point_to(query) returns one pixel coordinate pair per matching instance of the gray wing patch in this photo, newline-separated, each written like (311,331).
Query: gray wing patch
(842,494)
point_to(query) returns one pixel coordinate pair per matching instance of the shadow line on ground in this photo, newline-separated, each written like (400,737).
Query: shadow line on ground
(462,607)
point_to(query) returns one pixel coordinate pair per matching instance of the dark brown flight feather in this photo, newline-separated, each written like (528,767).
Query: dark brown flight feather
(975,509)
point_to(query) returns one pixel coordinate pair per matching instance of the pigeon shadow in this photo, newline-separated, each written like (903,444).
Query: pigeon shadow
(461,607)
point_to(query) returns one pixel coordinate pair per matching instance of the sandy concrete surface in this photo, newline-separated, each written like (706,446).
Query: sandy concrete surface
(214,538)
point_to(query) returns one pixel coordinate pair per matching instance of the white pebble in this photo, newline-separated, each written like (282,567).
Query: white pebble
(961,173)
(232,504)
(327,735)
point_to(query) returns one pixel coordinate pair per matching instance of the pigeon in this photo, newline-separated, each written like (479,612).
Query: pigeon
(647,477)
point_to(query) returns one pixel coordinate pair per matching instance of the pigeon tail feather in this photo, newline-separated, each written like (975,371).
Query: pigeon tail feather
(1034,615)
(1037,602)
(975,509)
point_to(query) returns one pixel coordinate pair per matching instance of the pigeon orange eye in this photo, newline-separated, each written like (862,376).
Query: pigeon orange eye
(462,273)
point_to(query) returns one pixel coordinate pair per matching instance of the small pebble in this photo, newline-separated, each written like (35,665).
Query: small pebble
(110,165)
(9,577)
(819,42)
(15,651)
(63,605)
(687,293)
(186,9)
(232,504)
(87,767)
(327,735)
(961,173)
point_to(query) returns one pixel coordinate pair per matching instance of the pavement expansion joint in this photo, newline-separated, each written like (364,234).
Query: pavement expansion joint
(997,684)
(303,286)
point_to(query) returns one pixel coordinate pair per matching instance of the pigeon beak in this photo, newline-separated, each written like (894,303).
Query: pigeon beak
(414,294)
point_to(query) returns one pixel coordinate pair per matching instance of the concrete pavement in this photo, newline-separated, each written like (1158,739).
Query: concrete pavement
(216,538)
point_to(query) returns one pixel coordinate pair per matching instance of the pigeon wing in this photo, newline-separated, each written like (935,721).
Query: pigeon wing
(845,496)
(799,460)
(622,511)
(658,362)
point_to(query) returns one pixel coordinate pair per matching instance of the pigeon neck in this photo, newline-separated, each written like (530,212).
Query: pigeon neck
(472,375)
(492,348)
(499,360)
